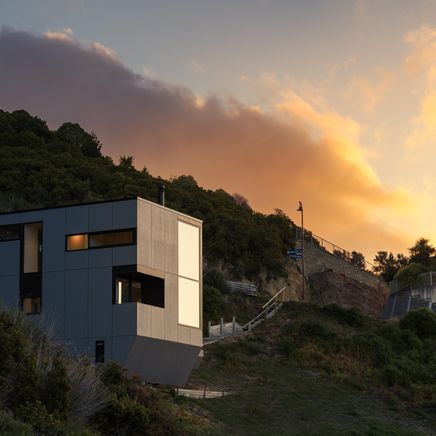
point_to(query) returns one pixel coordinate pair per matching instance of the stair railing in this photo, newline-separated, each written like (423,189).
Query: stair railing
(272,302)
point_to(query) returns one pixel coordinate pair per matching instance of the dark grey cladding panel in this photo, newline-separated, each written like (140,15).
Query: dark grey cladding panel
(100,257)
(124,214)
(158,361)
(79,347)
(10,218)
(53,240)
(76,259)
(9,290)
(100,217)
(124,319)
(77,219)
(31,217)
(53,301)
(121,346)
(76,303)
(9,257)
(100,301)
(124,255)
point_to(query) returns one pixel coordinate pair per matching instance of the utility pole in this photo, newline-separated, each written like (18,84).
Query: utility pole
(300,209)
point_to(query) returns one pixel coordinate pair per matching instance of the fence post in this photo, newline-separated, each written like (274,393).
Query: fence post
(234,324)
(221,326)
(204,392)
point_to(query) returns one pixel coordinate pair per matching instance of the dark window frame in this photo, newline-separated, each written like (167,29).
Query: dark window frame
(99,351)
(130,273)
(103,232)
(13,227)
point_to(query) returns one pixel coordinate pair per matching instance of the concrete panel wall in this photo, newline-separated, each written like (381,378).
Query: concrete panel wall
(9,258)
(171,307)
(170,242)
(158,252)
(144,234)
(157,238)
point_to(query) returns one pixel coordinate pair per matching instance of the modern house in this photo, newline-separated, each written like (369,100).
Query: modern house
(117,280)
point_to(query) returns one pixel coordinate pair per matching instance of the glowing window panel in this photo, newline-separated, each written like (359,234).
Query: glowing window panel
(189,302)
(189,251)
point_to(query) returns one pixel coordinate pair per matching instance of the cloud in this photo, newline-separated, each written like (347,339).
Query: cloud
(65,34)
(421,61)
(366,94)
(303,151)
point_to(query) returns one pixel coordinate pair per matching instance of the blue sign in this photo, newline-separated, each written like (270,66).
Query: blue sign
(296,253)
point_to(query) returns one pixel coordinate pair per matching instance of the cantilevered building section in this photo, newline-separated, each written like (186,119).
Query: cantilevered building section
(119,280)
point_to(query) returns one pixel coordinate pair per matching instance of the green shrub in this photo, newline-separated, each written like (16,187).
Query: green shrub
(422,322)
(352,317)
(314,330)
(213,304)
(9,426)
(56,390)
(408,275)
(401,340)
(215,279)
(287,346)
(37,415)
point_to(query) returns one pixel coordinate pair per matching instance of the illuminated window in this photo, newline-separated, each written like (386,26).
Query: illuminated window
(111,239)
(140,288)
(100,239)
(77,242)
(31,305)
(189,251)
(189,302)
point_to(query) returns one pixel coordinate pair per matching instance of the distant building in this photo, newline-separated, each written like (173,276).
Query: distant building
(117,280)
(404,296)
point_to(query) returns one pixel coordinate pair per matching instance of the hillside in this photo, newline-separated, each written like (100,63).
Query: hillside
(329,287)
(325,371)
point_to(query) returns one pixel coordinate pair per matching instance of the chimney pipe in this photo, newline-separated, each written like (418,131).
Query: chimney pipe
(161,198)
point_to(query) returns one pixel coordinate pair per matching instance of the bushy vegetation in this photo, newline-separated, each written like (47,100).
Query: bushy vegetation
(42,391)
(356,374)
(399,357)
(40,168)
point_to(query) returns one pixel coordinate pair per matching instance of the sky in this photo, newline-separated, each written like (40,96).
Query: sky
(329,102)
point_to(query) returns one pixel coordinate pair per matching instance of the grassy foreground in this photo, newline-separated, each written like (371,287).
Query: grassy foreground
(325,371)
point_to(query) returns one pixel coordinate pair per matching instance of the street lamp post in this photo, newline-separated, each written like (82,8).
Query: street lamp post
(300,209)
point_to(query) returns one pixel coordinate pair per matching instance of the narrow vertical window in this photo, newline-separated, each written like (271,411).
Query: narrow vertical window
(99,351)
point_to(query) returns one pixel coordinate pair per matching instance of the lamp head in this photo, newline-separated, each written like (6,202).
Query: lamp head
(300,207)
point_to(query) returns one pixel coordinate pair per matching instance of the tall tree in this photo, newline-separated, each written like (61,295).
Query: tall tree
(422,252)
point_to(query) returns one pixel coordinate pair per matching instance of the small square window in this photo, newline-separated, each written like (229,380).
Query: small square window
(77,242)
